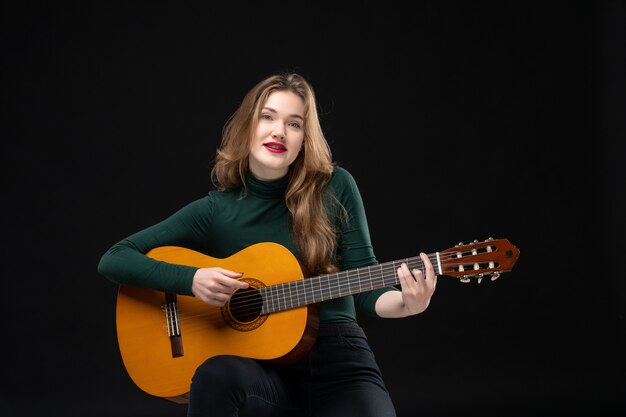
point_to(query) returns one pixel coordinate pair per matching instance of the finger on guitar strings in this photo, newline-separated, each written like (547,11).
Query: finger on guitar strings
(418,275)
(407,279)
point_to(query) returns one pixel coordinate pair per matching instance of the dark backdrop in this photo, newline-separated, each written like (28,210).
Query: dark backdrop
(459,121)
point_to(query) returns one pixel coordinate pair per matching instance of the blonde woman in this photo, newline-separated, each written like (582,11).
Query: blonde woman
(276,182)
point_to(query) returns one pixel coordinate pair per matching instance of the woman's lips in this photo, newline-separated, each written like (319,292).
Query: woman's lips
(275,147)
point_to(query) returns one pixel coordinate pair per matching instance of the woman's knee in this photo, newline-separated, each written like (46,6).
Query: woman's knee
(223,372)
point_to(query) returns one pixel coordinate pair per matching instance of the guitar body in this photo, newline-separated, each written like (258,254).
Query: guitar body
(163,365)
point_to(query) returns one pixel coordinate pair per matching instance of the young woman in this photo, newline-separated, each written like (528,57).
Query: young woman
(276,182)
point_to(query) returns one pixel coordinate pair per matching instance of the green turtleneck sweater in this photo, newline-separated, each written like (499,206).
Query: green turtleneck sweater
(225,222)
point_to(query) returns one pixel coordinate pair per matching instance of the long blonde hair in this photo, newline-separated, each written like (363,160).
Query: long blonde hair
(312,230)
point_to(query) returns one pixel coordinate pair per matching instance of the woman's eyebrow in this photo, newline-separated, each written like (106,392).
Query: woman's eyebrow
(271,110)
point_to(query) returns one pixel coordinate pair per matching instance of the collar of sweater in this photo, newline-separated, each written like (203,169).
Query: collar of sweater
(266,189)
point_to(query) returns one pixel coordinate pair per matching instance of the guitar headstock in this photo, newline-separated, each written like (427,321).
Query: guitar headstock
(479,259)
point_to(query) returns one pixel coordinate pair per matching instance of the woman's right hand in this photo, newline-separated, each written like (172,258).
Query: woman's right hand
(215,286)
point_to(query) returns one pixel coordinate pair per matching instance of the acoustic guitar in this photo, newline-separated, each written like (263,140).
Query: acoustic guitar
(164,337)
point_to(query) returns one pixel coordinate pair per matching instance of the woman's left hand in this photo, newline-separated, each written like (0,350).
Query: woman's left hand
(417,287)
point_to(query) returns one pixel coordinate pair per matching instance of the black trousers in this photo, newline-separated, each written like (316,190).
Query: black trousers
(339,377)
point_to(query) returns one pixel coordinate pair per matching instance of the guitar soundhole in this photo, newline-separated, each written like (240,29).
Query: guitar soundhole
(243,311)
(245,305)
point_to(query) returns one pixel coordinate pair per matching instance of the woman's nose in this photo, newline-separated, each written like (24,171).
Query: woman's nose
(278,132)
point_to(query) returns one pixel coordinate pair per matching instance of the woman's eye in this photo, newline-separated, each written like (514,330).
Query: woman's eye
(266,117)
(295,124)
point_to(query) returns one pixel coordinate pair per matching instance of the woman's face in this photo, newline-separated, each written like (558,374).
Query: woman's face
(278,137)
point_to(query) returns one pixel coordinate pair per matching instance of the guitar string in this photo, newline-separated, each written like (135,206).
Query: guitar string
(383,270)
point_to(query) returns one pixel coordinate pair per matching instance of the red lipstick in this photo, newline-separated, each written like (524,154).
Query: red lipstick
(275,147)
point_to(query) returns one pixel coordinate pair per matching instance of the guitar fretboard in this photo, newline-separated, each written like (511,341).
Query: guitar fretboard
(326,287)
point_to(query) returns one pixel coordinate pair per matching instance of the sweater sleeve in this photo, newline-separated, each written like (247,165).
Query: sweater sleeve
(125,262)
(355,246)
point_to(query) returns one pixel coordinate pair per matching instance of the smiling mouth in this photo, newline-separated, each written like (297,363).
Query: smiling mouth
(275,147)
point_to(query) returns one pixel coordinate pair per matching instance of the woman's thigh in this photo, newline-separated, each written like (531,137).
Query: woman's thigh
(226,386)
(348,379)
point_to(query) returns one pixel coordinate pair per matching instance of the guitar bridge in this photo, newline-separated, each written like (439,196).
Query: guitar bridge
(173,325)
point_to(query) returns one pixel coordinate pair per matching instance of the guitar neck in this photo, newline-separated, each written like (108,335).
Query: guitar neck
(326,287)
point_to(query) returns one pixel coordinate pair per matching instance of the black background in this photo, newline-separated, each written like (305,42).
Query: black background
(459,121)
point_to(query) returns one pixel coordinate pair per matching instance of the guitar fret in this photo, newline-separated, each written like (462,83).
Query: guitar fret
(321,290)
(319,281)
(273,298)
(340,291)
(414,263)
(304,290)
(284,298)
(297,291)
(340,283)
(268,298)
(330,288)
(301,293)
(408,264)
(312,292)
(308,296)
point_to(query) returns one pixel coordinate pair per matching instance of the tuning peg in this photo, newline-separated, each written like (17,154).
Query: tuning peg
(465,279)
(490,239)
(495,276)
(480,277)
(475,240)
(459,244)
